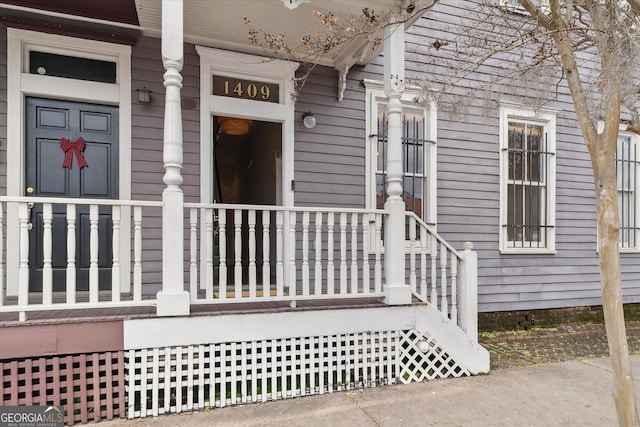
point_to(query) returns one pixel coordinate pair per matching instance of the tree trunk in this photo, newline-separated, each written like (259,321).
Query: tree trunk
(606,187)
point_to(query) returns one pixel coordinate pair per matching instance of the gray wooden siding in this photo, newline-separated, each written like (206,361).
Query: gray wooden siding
(330,158)
(468,199)
(330,166)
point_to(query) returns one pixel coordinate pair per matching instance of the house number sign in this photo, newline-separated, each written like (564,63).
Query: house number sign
(245,89)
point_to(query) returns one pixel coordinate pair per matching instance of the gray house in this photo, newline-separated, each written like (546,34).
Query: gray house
(180,234)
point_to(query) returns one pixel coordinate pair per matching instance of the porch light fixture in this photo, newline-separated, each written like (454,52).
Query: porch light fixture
(234,126)
(144,95)
(292,4)
(309,120)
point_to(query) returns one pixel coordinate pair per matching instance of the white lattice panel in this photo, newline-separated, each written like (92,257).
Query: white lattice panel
(422,358)
(175,379)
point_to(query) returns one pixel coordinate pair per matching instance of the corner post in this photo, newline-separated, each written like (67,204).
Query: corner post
(468,288)
(396,290)
(173,300)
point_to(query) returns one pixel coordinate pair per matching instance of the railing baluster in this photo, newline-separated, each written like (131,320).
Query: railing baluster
(317,282)
(23,272)
(412,253)
(330,254)
(222,252)
(93,253)
(137,253)
(279,256)
(251,219)
(423,263)
(266,254)
(305,253)
(366,286)
(209,237)
(47,272)
(434,272)
(378,265)
(443,280)
(293,283)
(71,254)
(454,288)
(237,271)
(343,253)
(115,250)
(193,254)
(354,253)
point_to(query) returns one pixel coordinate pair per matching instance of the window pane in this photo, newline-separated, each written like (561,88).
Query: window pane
(381,194)
(514,212)
(516,147)
(413,197)
(535,147)
(532,209)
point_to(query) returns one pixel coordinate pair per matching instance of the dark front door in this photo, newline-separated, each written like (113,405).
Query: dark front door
(47,123)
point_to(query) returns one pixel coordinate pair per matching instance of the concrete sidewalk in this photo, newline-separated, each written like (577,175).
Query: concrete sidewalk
(573,393)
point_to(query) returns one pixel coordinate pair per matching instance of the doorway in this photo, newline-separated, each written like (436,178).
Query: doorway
(247,170)
(48,122)
(247,157)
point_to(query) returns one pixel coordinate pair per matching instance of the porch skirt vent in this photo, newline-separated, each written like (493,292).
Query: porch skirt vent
(175,379)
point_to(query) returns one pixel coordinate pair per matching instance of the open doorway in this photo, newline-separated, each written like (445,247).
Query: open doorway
(247,170)
(247,161)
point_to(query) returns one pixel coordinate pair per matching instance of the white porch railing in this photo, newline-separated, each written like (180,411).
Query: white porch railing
(125,243)
(235,253)
(258,253)
(442,276)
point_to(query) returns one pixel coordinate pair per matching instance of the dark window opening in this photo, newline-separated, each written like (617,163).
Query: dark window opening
(71,67)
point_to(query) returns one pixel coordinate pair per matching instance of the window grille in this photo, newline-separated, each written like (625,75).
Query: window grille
(527,213)
(626,170)
(414,148)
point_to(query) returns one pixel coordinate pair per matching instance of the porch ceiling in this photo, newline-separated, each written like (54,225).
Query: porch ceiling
(214,23)
(220,23)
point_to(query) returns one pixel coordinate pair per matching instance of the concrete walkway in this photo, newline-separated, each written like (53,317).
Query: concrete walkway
(572,393)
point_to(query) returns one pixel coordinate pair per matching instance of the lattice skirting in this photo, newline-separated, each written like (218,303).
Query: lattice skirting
(422,358)
(90,387)
(175,379)
(150,382)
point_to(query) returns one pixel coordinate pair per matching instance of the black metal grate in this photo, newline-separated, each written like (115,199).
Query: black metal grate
(626,169)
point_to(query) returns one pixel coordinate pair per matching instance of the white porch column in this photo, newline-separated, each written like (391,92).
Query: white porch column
(396,290)
(173,300)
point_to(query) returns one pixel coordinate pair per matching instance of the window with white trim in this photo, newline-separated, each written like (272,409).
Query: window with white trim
(527,180)
(627,171)
(418,151)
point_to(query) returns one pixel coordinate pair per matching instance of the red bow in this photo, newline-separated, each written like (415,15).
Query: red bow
(69,149)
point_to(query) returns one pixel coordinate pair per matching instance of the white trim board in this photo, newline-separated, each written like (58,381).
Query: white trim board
(167,332)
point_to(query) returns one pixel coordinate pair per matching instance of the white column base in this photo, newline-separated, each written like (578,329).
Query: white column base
(173,304)
(397,294)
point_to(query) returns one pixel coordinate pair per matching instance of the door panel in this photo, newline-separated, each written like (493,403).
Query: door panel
(47,121)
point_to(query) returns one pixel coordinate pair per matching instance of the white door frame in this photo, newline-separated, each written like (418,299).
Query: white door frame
(249,67)
(20,84)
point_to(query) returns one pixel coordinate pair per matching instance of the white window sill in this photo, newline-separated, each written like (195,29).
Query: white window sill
(528,251)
